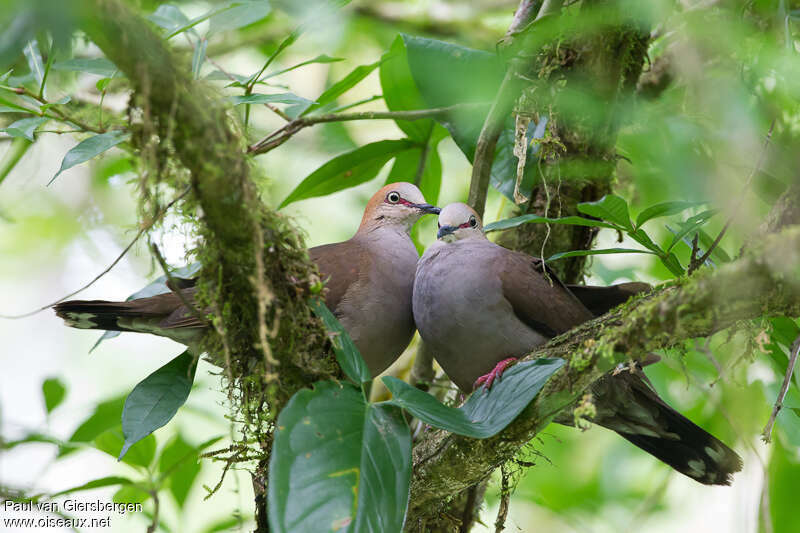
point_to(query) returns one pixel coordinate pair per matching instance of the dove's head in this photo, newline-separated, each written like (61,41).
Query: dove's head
(398,203)
(459,221)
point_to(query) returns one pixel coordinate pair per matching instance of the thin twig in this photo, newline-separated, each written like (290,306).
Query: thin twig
(283,134)
(766,435)
(141,231)
(735,210)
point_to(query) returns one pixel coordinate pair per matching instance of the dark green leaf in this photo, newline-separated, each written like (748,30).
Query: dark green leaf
(400,92)
(611,208)
(12,107)
(336,461)
(99,66)
(140,454)
(485,413)
(280,98)
(509,223)
(342,86)
(91,147)
(347,354)
(53,391)
(240,14)
(34,59)
(156,399)
(95,484)
(25,127)
(226,524)
(605,251)
(319,59)
(664,209)
(718,254)
(347,170)
(640,236)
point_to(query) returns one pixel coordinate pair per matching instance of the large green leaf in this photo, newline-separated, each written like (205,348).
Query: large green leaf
(347,170)
(400,92)
(34,59)
(178,463)
(690,225)
(338,463)
(611,208)
(485,413)
(347,354)
(89,148)
(53,391)
(156,399)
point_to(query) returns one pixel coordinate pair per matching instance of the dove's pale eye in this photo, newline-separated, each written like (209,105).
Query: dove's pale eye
(393,197)
(473,221)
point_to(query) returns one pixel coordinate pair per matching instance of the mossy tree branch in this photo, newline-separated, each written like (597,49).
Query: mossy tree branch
(761,283)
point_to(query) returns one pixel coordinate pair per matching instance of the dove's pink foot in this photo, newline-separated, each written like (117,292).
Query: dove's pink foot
(487,379)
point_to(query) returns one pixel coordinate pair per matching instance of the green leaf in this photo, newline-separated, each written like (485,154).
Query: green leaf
(280,98)
(348,356)
(60,101)
(342,86)
(34,59)
(347,170)
(718,254)
(605,251)
(641,236)
(54,391)
(156,399)
(199,57)
(485,413)
(169,17)
(225,524)
(91,147)
(95,484)
(11,107)
(105,416)
(664,209)
(25,127)
(323,58)
(673,264)
(99,66)
(509,223)
(140,454)
(179,462)
(240,14)
(611,208)
(400,91)
(337,461)
(690,225)
(130,494)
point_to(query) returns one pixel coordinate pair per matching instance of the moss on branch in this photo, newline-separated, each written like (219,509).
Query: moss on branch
(760,283)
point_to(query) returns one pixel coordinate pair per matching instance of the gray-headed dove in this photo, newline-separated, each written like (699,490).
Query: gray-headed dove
(369,281)
(479,306)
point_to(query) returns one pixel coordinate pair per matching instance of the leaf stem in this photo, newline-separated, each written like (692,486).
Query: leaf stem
(766,435)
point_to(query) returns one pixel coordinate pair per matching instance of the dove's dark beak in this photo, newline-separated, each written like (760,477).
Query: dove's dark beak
(427,208)
(445,230)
